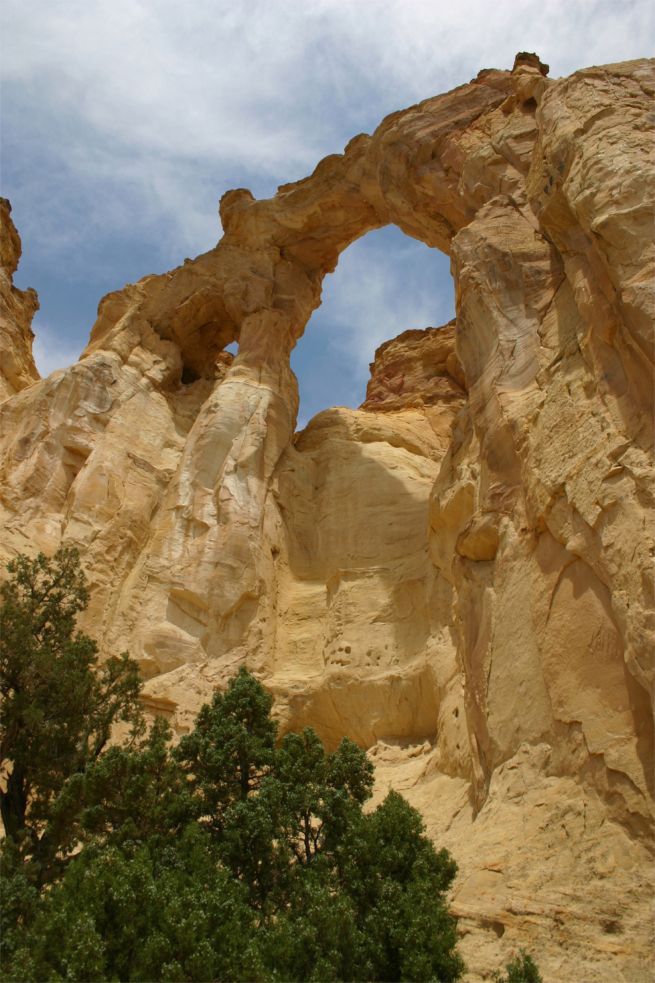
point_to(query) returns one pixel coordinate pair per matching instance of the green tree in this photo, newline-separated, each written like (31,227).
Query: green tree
(153,800)
(139,912)
(520,969)
(58,705)
(340,894)
(321,793)
(398,883)
(315,934)
(233,856)
(231,748)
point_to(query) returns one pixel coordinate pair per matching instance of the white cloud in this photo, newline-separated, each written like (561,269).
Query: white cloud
(51,351)
(384,284)
(125,120)
(375,294)
(157,92)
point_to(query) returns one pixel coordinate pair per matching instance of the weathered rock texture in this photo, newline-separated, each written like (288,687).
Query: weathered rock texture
(457,575)
(17,308)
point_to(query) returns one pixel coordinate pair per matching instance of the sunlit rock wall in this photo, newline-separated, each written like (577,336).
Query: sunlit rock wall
(17,308)
(458,575)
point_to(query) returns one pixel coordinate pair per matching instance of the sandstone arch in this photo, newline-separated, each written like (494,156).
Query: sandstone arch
(509,505)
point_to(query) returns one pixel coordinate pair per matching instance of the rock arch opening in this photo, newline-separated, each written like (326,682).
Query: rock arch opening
(385,283)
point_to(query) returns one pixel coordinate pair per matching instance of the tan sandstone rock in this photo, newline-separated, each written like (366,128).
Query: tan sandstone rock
(458,575)
(17,308)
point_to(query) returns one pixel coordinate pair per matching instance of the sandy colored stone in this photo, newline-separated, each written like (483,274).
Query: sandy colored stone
(17,308)
(458,575)
(418,368)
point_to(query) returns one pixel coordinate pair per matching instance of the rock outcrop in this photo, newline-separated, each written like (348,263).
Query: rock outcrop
(17,308)
(458,575)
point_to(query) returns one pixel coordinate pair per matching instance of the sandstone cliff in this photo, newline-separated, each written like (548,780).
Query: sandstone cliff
(17,308)
(458,575)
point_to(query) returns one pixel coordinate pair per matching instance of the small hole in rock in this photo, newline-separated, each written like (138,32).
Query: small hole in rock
(456,712)
(529,105)
(188,376)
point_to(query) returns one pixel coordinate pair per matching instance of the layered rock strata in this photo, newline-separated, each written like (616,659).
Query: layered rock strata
(458,575)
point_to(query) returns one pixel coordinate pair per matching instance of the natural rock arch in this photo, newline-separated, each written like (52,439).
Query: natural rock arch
(511,573)
(419,170)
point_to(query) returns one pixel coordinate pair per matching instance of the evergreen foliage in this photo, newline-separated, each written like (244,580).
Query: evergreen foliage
(232,856)
(58,706)
(520,969)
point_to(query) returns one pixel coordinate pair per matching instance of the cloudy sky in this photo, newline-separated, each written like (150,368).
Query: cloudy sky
(123,122)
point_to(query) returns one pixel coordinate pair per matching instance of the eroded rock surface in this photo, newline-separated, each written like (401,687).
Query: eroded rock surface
(458,575)
(17,308)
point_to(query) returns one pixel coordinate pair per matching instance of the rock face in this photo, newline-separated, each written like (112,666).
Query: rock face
(17,308)
(458,575)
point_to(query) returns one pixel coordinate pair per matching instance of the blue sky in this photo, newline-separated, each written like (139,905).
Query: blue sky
(123,122)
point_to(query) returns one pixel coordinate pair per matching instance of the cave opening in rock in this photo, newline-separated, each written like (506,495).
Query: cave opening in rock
(385,283)
(189,376)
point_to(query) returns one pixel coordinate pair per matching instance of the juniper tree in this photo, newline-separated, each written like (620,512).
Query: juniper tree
(233,856)
(59,706)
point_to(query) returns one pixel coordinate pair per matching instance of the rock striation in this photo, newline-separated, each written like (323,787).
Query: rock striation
(458,575)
